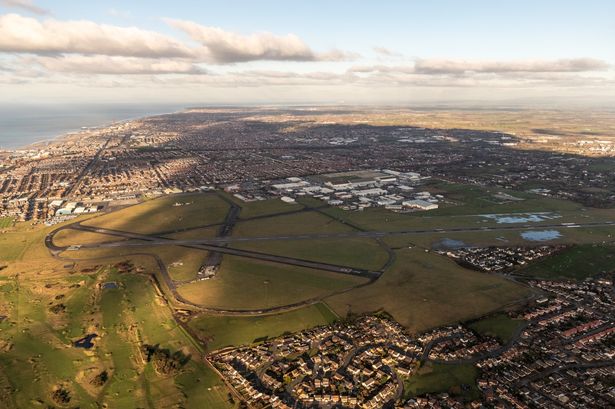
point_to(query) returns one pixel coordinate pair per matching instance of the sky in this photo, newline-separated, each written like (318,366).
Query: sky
(403,52)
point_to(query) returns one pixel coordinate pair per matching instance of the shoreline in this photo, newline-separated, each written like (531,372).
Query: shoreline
(46,141)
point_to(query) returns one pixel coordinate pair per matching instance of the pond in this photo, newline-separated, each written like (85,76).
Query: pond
(85,342)
(109,285)
(541,235)
(521,217)
(449,244)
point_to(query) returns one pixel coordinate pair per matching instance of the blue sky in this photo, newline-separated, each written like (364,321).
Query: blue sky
(364,51)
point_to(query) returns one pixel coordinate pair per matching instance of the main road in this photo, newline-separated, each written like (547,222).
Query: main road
(140,240)
(158,240)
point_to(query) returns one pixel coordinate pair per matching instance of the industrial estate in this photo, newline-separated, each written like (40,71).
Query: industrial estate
(312,257)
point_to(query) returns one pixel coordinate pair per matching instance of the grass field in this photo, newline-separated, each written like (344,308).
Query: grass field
(222,331)
(6,222)
(458,380)
(36,352)
(23,246)
(468,199)
(159,215)
(182,263)
(500,326)
(577,262)
(251,284)
(353,252)
(462,207)
(202,233)
(263,207)
(423,290)
(68,237)
(292,224)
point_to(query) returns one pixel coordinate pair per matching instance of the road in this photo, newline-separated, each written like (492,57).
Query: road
(214,258)
(85,170)
(152,240)
(140,240)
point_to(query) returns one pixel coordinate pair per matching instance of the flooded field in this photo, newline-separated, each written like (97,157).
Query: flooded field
(541,235)
(447,243)
(522,217)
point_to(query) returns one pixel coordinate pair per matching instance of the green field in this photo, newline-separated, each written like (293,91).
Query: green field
(23,246)
(182,263)
(577,262)
(221,331)
(160,215)
(36,351)
(252,284)
(292,224)
(6,222)
(264,207)
(457,380)
(424,290)
(352,252)
(68,237)
(500,326)
(463,206)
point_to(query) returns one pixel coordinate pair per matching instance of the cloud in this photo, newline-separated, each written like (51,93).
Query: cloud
(27,35)
(102,64)
(225,47)
(431,66)
(385,52)
(449,73)
(27,5)
(516,69)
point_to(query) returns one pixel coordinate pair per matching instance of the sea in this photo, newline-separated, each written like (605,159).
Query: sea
(24,124)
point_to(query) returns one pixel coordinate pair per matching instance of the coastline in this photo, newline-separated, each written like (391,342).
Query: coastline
(76,131)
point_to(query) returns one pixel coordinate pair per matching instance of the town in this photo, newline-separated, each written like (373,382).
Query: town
(498,259)
(252,152)
(560,354)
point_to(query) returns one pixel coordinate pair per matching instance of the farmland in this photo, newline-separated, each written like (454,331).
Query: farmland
(423,290)
(577,262)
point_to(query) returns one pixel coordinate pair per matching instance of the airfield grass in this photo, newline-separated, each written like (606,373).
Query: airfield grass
(41,355)
(193,234)
(6,222)
(182,263)
(160,215)
(69,237)
(292,224)
(23,246)
(423,290)
(458,380)
(263,207)
(351,252)
(500,326)
(463,206)
(242,283)
(574,263)
(584,235)
(221,331)
(470,199)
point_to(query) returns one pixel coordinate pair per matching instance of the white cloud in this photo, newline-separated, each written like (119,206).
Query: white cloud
(27,35)
(433,66)
(27,5)
(102,64)
(227,47)
(385,52)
